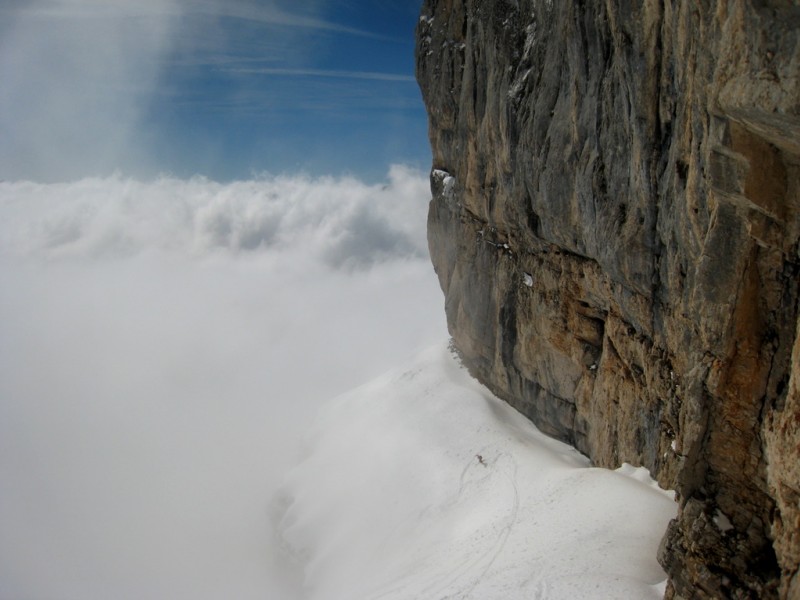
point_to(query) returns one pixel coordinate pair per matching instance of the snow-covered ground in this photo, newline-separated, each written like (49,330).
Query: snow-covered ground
(164,347)
(421,484)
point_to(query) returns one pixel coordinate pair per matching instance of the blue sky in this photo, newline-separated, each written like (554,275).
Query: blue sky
(222,88)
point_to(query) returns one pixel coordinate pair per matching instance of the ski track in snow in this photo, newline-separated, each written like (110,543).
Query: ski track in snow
(463,580)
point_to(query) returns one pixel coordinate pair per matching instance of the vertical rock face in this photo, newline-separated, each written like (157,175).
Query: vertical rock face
(615,225)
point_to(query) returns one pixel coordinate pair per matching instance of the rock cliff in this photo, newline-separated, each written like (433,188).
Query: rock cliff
(615,225)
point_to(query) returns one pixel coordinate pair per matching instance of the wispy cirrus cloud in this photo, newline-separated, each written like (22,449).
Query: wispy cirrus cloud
(267,13)
(270,13)
(333,74)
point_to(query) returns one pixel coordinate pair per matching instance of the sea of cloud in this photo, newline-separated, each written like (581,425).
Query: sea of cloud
(163,344)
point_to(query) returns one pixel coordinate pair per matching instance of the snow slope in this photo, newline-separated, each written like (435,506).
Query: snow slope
(423,485)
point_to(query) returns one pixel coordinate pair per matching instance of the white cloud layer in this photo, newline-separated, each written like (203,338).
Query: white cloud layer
(340,221)
(161,347)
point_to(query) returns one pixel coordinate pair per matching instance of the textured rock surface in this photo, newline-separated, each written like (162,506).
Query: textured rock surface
(615,226)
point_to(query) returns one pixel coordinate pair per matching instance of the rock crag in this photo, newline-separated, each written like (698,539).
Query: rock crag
(615,224)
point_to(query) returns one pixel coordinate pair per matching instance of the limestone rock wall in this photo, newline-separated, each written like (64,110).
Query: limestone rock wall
(615,225)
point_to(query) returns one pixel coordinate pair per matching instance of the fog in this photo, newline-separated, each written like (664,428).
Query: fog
(163,346)
(78,78)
